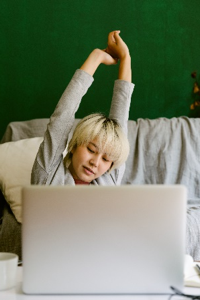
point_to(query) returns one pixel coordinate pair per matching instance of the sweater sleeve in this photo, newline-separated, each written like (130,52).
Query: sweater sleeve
(56,136)
(121,100)
(119,111)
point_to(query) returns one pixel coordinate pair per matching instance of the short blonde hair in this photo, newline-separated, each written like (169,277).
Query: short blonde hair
(109,135)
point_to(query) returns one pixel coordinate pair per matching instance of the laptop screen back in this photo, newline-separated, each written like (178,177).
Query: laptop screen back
(103,240)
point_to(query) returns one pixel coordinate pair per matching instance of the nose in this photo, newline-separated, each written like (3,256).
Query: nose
(94,161)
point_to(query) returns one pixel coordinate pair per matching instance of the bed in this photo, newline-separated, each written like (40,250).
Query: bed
(162,151)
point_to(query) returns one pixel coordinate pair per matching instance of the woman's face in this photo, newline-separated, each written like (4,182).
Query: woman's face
(88,163)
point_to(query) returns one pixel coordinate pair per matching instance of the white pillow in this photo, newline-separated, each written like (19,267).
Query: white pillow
(16,161)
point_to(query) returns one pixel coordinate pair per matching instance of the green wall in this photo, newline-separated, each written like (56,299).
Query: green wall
(43,42)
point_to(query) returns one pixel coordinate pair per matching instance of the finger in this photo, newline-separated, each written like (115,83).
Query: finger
(117,36)
(111,37)
(114,33)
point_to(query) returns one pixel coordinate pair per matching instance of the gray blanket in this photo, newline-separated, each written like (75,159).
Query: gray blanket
(167,151)
(163,151)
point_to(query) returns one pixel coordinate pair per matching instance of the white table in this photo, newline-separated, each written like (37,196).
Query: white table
(17,294)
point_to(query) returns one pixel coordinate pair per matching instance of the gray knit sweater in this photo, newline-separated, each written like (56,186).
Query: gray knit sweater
(49,167)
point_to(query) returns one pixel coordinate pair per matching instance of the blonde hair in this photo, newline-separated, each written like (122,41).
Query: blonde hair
(109,135)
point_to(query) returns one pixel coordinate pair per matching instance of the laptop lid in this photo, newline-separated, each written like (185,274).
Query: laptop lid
(103,240)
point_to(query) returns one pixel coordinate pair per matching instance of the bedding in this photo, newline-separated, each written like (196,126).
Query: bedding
(26,129)
(162,151)
(16,161)
(10,228)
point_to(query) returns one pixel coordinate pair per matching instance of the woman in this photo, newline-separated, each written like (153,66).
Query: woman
(99,146)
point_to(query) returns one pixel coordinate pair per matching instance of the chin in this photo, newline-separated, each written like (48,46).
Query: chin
(85,179)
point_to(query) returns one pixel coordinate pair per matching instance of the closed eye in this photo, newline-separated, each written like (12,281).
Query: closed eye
(106,159)
(90,150)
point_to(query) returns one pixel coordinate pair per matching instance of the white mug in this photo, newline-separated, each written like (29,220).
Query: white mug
(8,270)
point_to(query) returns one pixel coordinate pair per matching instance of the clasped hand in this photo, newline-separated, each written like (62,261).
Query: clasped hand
(116,49)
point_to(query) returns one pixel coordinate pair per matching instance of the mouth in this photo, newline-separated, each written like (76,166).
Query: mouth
(88,171)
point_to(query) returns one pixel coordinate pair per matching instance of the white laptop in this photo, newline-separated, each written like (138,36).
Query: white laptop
(103,240)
